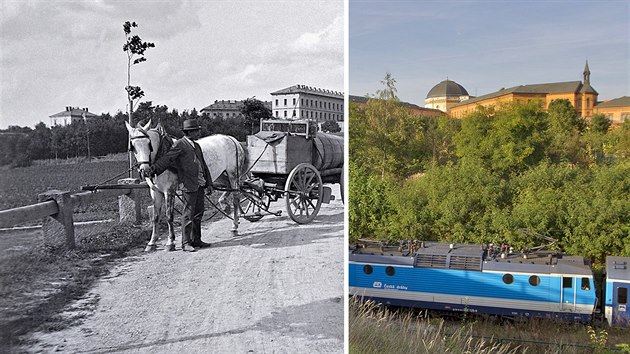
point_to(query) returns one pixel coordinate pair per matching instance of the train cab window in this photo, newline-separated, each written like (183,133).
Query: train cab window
(622,296)
(508,279)
(567,282)
(586,284)
(534,280)
(367,269)
(390,271)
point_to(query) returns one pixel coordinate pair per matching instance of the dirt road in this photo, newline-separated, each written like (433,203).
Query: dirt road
(275,288)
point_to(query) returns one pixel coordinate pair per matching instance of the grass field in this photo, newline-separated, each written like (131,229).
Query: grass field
(376,329)
(20,186)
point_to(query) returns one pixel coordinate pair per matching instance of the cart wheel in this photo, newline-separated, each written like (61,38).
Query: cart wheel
(303,193)
(252,210)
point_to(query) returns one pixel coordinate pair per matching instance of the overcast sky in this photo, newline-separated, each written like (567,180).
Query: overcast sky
(487,45)
(69,53)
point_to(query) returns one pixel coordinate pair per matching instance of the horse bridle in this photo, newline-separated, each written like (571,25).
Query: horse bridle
(144,135)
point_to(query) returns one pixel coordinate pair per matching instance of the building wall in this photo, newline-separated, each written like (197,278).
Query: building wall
(583,103)
(616,114)
(303,105)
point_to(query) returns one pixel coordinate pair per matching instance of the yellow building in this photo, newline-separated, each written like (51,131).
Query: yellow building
(617,110)
(581,95)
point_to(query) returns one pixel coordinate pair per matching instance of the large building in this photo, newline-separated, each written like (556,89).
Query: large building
(306,102)
(69,115)
(361,101)
(617,110)
(580,93)
(226,109)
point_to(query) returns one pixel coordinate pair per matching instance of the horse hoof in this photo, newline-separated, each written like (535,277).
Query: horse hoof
(171,247)
(150,248)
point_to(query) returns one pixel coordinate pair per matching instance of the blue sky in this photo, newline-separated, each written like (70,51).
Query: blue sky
(487,45)
(69,53)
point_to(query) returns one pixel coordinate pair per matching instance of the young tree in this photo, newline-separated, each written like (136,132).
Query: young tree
(135,48)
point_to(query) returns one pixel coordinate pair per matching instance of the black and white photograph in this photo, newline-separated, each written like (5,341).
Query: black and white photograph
(171,176)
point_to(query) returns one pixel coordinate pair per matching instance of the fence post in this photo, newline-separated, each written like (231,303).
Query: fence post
(61,224)
(129,206)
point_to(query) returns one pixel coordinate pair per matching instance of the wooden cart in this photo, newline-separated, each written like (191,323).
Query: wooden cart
(291,160)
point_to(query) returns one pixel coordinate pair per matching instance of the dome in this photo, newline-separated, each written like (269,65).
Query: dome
(447,88)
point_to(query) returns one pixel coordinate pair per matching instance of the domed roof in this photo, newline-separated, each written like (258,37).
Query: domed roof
(447,88)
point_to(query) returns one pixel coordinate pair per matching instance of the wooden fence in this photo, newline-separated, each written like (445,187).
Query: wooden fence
(56,209)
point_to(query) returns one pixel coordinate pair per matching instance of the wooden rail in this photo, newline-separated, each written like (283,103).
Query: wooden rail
(56,208)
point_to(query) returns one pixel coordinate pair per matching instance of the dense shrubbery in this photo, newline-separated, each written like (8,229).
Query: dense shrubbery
(491,177)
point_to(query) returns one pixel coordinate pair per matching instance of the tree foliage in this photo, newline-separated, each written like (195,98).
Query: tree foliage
(254,110)
(500,175)
(107,134)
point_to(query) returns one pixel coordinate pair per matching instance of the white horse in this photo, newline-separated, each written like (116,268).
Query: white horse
(224,156)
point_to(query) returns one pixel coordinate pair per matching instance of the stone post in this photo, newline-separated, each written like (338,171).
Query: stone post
(129,206)
(59,226)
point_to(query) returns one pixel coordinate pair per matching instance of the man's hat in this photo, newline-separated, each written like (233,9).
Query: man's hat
(191,124)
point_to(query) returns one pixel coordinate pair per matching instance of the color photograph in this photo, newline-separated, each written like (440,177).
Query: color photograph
(489,176)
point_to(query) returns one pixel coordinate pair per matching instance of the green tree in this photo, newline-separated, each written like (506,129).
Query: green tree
(565,129)
(600,123)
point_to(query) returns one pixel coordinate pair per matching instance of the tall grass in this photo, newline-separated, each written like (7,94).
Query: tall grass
(378,329)
(375,329)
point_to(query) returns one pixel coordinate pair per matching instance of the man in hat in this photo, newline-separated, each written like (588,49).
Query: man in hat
(185,155)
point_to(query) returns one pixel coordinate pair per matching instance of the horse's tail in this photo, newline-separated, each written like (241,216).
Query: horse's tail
(242,157)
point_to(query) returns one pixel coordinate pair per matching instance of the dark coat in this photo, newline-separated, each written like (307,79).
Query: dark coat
(181,156)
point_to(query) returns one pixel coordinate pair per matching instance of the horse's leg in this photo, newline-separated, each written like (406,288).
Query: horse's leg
(158,199)
(170,208)
(236,197)
(223,204)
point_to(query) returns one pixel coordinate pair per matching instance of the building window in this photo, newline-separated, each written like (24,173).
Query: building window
(293,113)
(367,269)
(301,102)
(276,102)
(390,271)
(534,280)
(276,114)
(285,102)
(285,114)
(294,101)
(508,279)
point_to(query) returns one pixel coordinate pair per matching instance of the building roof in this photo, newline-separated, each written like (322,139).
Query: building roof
(554,87)
(615,102)
(447,88)
(308,89)
(363,99)
(223,105)
(74,112)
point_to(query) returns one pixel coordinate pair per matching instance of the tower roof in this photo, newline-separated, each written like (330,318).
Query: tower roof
(447,88)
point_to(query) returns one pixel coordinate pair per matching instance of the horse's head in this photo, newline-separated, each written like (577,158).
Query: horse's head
(140,144)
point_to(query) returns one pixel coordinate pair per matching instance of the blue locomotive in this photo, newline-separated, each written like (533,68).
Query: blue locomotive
(478,279)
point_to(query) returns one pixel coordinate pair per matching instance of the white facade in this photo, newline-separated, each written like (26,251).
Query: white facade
(305,102)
